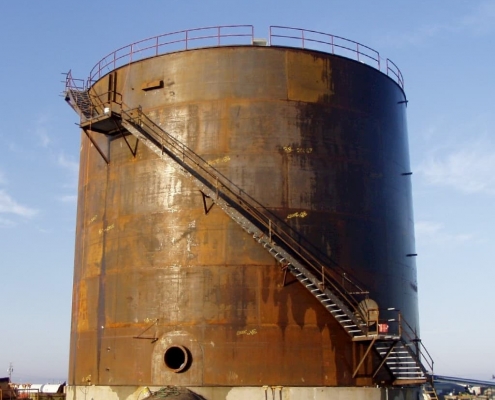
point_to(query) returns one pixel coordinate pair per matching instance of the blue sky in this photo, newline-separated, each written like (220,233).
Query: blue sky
(445,50)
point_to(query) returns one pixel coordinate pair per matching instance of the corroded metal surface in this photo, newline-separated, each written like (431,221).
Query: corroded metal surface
(319,140)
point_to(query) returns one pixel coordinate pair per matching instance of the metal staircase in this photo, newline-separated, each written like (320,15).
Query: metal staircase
(342,298)
(80,101)
(250,218)
(78,97)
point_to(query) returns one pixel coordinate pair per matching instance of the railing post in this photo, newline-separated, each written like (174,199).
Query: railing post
(156,53)
(357,51)
(302,35)
(187,38)
(399,318)
(218,36)
(416,343)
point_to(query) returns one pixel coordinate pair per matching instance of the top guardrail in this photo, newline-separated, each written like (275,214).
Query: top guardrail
(328,43)
(174,41)
(243,35)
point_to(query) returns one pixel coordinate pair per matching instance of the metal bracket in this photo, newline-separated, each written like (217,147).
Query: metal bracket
(364,357)
(86,131)
(133,152)
(154,338)
(285,268)
(384,360)
(206,207)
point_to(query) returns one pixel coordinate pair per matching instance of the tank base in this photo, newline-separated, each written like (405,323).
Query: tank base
(241,393)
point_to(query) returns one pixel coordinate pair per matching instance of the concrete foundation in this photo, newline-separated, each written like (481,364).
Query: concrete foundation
(241,393)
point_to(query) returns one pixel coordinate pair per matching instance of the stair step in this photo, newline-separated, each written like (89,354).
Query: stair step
(400,362)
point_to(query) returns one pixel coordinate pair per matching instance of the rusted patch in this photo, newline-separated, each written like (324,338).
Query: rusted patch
(309,77)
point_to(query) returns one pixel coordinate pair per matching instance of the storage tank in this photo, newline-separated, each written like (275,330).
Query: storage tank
(169,290)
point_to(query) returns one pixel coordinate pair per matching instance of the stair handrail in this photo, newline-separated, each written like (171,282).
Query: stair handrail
(74,83)
(75,87)
(98,105)
(240,198)
(410,336)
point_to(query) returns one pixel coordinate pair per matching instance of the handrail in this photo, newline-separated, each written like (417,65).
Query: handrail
(254,209)
(308,39)
(99,106)
(409,337)
(395,71)
(74,84)
(214,36)
(173,41)
(421,351)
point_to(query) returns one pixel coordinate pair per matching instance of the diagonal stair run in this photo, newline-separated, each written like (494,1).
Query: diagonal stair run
(395,351)
(80,101)
(149,133)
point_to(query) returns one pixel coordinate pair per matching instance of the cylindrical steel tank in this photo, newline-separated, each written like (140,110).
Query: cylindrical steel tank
(167,294)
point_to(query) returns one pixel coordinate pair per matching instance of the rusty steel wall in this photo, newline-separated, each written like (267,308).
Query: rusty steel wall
(318,139)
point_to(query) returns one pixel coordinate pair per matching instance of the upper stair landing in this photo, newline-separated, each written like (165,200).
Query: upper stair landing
(96,114)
